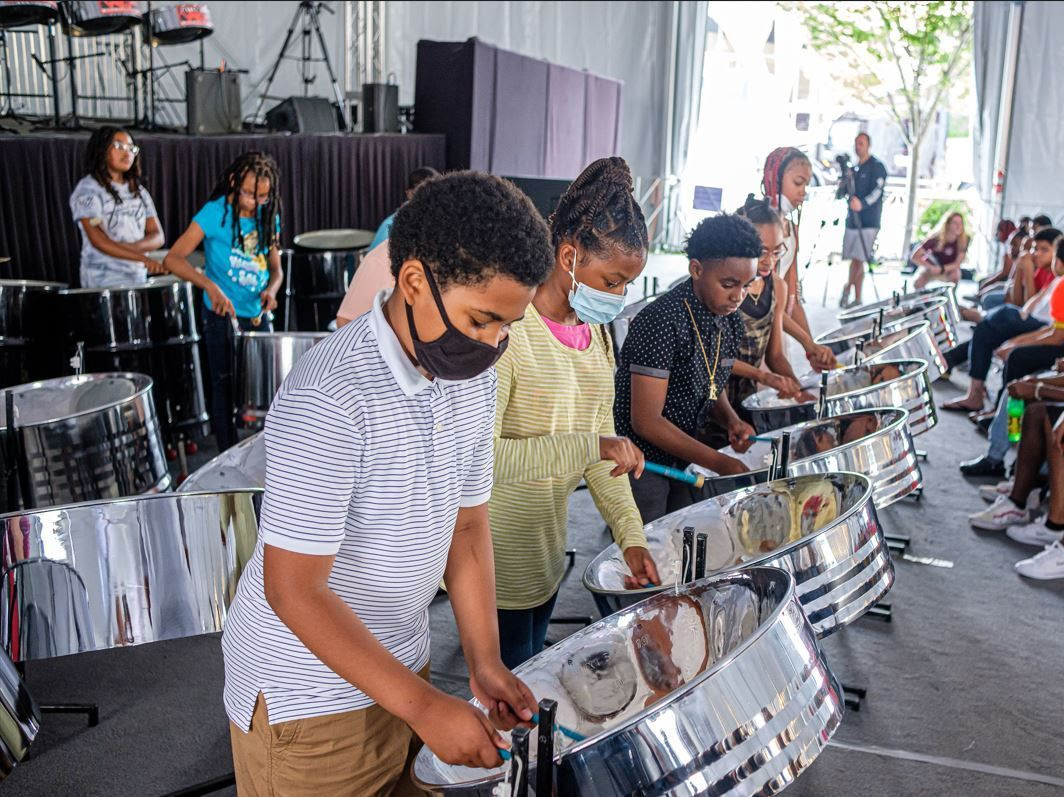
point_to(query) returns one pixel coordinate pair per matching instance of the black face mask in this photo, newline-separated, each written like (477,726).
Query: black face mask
(453,356)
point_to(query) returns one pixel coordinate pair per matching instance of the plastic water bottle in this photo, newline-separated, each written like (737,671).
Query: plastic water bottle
(1015,412)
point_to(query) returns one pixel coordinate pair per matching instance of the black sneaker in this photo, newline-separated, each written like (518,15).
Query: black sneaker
(983,466)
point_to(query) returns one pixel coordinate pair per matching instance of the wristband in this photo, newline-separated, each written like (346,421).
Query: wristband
(1058,325)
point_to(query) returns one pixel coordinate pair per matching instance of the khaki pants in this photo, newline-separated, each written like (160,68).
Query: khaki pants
(358,753)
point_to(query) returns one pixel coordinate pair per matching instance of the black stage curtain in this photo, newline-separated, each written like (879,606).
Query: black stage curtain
(328,181)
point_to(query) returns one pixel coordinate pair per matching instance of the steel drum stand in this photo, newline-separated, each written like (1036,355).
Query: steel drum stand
(90,710)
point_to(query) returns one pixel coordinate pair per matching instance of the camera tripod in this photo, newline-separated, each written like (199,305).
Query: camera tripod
(308,17)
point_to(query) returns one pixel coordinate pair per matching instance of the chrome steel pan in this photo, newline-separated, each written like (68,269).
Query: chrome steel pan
(20,717)
(876,443)
(934,309)
(264,359)
(947,292)
(890,383)
(110,574)
(717,688)
(87,437)
(241,467)
(838,558)
(911,341)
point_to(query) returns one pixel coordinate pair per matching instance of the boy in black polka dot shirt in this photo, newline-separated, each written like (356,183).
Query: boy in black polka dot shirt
(677,358)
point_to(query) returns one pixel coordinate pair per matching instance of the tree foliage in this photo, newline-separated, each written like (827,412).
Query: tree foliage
(903,56)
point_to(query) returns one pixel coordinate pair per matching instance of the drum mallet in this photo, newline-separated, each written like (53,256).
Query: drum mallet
(696,480)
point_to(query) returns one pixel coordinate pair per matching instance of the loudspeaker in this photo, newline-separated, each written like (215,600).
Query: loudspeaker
(303,115)
(380,108)
(212,101)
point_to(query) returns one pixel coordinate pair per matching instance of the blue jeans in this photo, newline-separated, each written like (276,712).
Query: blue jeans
(994,298)
(1000,325)
(523,632)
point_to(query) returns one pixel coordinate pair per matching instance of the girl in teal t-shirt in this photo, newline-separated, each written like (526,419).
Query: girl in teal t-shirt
(240,228)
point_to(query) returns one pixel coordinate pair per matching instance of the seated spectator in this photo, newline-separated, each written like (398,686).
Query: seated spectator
(1007,322)
(941,255)
(1041,441)
(1027,277)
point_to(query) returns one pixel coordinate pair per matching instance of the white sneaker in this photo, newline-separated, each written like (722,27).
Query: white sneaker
(1035,533)
(999,516)
(990,492)
(1046,565)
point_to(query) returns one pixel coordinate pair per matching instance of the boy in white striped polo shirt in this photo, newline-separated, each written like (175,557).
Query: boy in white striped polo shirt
(378,472)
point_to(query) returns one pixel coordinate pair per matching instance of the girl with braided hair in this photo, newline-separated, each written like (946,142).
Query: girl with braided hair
(115,213)
(554,414)
(240,228)
(788,172)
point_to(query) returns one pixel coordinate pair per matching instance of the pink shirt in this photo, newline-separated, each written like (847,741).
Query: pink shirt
(373,275)
(575,337)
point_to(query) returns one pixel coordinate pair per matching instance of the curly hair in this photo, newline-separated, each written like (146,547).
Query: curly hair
(759,211)
(266,216)
(470,226)
(723,236)
(599,212)
(96,161)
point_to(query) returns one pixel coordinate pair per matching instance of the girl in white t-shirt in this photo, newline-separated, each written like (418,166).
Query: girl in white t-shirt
(117,218)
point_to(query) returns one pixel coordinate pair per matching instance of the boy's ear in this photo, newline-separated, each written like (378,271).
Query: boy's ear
(694,268)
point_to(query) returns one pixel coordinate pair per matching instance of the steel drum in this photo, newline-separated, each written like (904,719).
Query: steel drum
(875,442)
(913,341)
(890,383)
(86,437)
(716,688)
(263,360)
(101,17)
(180,24)
(20,717)
(18,13)
(111,574)
(947,292)
(148,328)
(27,346)
(319,270)
(822,528)
(934,309)
(241,467)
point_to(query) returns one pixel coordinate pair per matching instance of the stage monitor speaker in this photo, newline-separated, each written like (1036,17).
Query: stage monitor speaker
(543,191)
(212,101)
(303,115)
(380,108)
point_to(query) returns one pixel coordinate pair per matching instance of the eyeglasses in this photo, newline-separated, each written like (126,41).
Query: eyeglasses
(776,253)
(132,149)
(262,200)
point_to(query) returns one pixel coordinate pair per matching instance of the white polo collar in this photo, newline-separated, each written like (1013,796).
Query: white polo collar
(410,379)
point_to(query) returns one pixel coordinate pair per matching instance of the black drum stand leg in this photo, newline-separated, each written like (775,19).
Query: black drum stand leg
(921,454)
(897,543)
(853,696)
(182,461)
(880,611)
(90,710)
(206,787)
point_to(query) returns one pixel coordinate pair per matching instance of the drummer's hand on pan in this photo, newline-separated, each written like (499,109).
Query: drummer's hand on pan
(804,395)
(220,303)
(739,434)
(269,301)
(784,386)
(508,700)
(457,732)
(624,452)
(644,571)
(821,358)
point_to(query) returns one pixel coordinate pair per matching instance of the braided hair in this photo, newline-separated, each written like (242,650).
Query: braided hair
(759,211)
(96,161)
(599,211)
(776,165)
(264,168)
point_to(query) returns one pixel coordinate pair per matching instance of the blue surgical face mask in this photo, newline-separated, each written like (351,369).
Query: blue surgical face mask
(594,306)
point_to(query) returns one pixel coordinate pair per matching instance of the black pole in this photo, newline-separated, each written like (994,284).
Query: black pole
(55,81)
(548,710)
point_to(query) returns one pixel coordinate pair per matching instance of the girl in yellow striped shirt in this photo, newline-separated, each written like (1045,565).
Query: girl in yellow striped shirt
(554,417)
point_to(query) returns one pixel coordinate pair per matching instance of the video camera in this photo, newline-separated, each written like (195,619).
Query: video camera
(846,188)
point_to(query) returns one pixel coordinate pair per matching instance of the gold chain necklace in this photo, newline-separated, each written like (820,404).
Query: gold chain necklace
(712,372)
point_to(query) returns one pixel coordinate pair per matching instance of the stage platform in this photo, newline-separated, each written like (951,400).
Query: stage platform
(327,181)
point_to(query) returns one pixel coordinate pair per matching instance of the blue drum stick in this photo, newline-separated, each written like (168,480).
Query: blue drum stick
(695,480)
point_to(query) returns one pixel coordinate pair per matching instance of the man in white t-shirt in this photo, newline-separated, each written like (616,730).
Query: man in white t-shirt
(379,457)
(115,214)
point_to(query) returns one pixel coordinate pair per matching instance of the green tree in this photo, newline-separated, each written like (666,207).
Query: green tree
(902,56)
